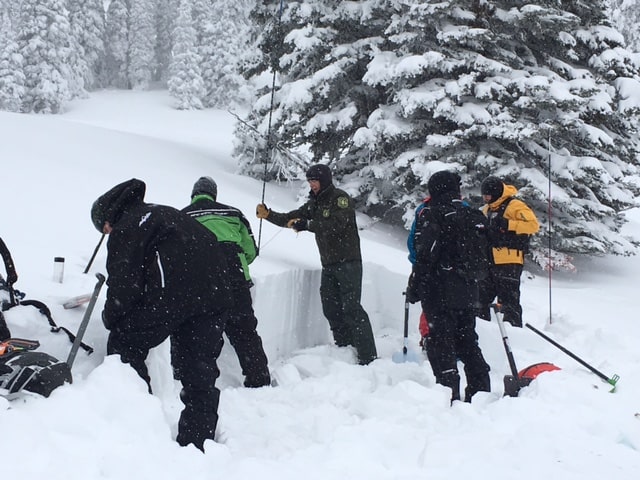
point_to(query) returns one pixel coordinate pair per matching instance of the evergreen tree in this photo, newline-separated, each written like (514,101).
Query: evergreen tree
(88,26)
(625,16)
(11,76)
(389,92)
(166,13)
(116,63)
(203,17)
(185,83)
(142,43)
(46,45)
(229,37)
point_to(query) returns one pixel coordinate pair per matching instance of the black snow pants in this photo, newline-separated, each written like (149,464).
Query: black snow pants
(240,327)
(503,282)
(452,337)
(196,342)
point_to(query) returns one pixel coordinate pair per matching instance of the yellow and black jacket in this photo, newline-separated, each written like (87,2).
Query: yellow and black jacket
(509,245)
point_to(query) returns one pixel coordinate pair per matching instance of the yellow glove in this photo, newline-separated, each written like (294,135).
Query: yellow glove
(262,211)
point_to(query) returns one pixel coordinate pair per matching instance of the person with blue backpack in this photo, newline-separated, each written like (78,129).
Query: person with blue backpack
(450,257)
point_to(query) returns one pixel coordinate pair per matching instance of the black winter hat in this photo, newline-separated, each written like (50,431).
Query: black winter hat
(492,186)
(205,186)
(320,172)
(109,207)
(443,182)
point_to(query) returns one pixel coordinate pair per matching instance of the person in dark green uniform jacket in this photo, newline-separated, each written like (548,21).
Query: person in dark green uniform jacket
(233,231)
(330,215)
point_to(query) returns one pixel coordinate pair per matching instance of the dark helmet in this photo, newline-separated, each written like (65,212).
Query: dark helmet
(320,172)
(98,215)
(109,207)
(205,186)
(493,187)
(443,182)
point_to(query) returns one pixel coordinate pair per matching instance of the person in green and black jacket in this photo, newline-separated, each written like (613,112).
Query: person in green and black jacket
(330,215)
(233,231)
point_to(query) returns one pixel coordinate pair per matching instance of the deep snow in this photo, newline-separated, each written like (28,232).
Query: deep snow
(330,419)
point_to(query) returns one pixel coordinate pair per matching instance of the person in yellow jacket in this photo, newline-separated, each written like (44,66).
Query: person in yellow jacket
(511,224)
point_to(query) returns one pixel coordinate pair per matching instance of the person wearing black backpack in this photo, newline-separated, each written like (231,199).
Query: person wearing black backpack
(511,224)
(451,256)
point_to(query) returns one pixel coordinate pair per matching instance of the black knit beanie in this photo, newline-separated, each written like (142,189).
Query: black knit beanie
(493,187)
(320,172)
(444,182)
(205,186)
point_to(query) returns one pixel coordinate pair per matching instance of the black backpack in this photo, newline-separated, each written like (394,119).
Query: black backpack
(464,242)
(22,370)
(461,244)
(472,245)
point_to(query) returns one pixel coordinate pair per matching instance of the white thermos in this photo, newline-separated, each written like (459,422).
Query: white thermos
(58,269)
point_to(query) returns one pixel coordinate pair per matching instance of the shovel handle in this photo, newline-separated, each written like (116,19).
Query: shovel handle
(611,381)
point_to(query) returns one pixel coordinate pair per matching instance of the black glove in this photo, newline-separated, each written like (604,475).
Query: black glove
(413,290)
(500,223)
(299,224)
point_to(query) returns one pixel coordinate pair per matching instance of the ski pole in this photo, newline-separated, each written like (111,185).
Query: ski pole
(611,381)
(95,252)
(275,67)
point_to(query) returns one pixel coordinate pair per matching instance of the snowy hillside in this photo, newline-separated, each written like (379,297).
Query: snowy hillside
(332,419)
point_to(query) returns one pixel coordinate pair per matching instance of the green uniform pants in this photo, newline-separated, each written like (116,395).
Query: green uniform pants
(340,291)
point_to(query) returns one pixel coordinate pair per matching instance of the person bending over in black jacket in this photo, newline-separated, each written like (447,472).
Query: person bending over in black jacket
(166,279)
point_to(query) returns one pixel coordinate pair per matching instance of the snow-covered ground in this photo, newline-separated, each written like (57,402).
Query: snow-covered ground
(330,419)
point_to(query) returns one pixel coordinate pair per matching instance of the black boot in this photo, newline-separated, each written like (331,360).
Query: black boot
(451,379)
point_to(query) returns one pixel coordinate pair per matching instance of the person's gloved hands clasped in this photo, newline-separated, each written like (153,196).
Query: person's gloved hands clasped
(298,224)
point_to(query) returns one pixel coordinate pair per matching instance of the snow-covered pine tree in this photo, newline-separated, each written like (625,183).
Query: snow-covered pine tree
(12,9)
(388,92)
(229,36)
(166,13)
(11,76)
(204,15)
(88,26)
(116,63)
(142,43)
(46,45)
(319,51)
(625,16)
(185,82)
